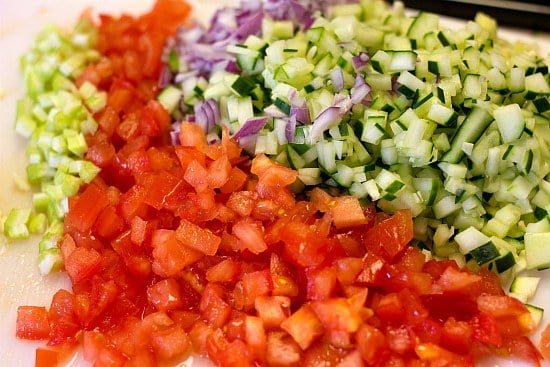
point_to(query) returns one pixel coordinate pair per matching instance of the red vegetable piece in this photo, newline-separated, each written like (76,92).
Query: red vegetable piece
(32,323)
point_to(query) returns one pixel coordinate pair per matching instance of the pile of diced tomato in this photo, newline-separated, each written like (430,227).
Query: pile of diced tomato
(197,248)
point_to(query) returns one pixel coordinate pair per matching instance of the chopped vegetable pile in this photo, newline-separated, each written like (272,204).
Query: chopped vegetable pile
(300,183)
(363,99)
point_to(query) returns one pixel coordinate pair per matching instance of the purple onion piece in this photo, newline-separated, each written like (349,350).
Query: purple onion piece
(201,118)
(273,111)
(252,126)
(215,109)
(232,67)
(250,26)
(300,113)
(248,143)
(328,118)
(165,77)
(290,129)
(360,90)
(337,79)
(175,133)
(360,61)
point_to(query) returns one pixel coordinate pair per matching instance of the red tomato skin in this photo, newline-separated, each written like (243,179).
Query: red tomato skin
(46,358)
(165,295)
(32,323)
(282,350)
(197,238)
(391,235)
(85,209)
(304,326)
(544,343)
(82,263)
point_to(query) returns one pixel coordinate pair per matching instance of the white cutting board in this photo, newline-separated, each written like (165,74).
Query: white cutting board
(20,282)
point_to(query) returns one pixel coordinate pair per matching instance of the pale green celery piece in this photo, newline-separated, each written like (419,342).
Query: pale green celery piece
(97,102)
(40,202)
(37,172)
(88,171)
(15,225)
(38,223)
(77,144)
(89,125)
(50,260)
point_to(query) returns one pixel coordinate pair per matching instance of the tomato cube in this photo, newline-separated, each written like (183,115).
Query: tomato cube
(282,350)
(32,322)
(250,235)
(197,238)
(273,310)
(82,263)
(46,358)
(165,295)
(347,212)
(304,326)
(171,342)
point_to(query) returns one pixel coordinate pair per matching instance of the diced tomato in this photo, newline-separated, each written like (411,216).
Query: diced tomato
(321,284)
(255,336)
(235,181)
(109,223)
(242,202)
(46,358)
(273,310)
(456,336)
(453,280)
(304,326)
(338,314)
(391,235)
(62,317)
(110,357)
(214,309)
(93,342)
(197,238)
(32,322)
(250,236)
(370,342)
(171,255)
(347,212)
(82,263)
(84,210)
(282,350)
(254,284)
(165,295)
(544,343)
(170,342)
(219,172)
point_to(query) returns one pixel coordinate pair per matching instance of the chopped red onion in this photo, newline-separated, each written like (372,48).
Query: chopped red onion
(360,90)
(175,133)
(360,61)
(248,143)
(207,114)
(290,129)
(251,126)
(165,77)
(328,118)
(273,111)
(182,77)
(301,113)
(215,110)
(337,77)
(232,67)
(298,107)
(252,25)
